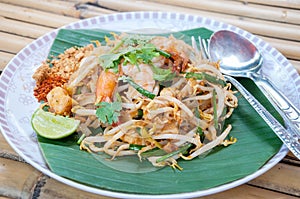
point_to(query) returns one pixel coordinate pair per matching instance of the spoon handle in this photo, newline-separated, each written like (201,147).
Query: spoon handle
(288,111)
(289,138)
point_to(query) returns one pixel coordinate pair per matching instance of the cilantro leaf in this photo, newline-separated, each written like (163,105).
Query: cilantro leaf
(162,75)
(108,112)
(146,53)
(109,61)
(207,77)
(132,49)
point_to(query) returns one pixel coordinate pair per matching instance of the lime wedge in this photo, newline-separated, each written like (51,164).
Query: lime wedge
(51,126)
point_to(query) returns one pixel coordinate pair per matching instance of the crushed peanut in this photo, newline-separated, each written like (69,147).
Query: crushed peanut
(58,71)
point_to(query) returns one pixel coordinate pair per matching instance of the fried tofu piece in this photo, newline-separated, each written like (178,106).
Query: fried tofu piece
(59,101)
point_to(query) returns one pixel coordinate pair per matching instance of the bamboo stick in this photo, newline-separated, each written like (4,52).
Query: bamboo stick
(75,9)
(4,59)
(295,4)
(87,11)
(81,1)
(88,14)
(127,5)
(282,178)
(290,157)
(267,28)
(12,43)
(22,28)
(240,9)
(296,65)
(34,16)
(286,181)
(54,6)
(290,49)
(247,191)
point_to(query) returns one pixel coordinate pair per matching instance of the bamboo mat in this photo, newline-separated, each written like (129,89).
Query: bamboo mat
(275,21)
(277,24)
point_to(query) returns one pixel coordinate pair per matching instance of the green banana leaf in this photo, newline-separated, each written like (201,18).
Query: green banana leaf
(256,144)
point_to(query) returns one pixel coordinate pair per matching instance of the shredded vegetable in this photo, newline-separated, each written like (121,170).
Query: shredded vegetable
(153,97)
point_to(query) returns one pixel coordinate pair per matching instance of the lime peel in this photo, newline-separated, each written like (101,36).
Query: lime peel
(51,126)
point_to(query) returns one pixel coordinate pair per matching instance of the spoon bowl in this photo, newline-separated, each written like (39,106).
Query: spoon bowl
(237,55)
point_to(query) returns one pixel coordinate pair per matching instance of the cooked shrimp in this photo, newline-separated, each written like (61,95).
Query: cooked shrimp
(141,75)
(179,115)
(181,53)
(105,87)
(144,77)
(59,101)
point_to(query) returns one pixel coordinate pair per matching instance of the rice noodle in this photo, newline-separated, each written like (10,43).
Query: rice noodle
(83,111)
(209,145)
(181,112)
(200,97)
(178,137)
(86,65)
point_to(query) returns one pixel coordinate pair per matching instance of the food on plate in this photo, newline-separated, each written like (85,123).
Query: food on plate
(150,96)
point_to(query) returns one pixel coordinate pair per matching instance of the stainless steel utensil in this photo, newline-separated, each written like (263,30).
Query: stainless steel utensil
(290,137)
(240,58)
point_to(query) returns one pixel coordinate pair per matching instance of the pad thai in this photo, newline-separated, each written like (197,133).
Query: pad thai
(149,96)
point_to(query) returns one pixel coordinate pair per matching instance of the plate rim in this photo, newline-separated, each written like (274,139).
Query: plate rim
(6,73)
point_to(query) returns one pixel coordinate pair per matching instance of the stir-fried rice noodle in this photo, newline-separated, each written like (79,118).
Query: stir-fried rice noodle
(185,111)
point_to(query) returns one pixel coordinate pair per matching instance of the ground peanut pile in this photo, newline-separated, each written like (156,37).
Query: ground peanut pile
(58,71)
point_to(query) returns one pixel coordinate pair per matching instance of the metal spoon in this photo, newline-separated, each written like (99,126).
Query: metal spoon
(240,58)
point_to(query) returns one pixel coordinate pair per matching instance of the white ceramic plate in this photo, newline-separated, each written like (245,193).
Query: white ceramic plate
(17,102)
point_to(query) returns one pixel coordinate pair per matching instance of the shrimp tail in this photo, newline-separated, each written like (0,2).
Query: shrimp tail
(105,86)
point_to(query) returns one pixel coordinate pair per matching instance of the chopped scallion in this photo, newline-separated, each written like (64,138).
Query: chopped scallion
(207,77)
(180,150)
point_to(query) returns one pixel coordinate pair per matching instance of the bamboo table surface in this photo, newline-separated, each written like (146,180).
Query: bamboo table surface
(22,21)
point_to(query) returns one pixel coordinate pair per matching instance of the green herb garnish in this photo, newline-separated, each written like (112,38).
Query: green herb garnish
(214,102)
(201,134)
(108,112)
(162,75)
(132,49)
(207,77)
(182,150)
(135,147)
